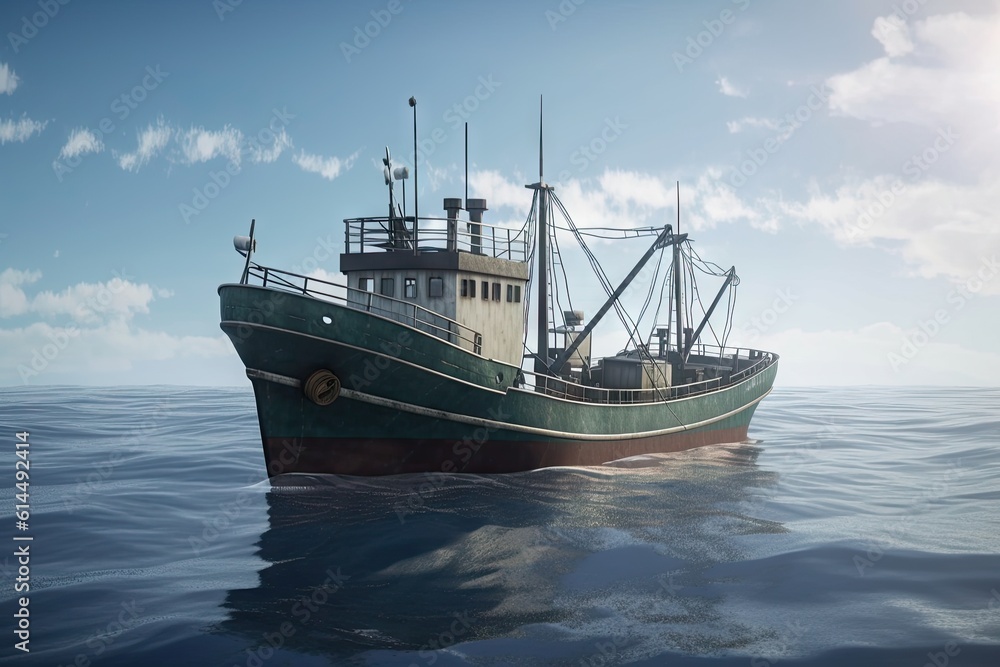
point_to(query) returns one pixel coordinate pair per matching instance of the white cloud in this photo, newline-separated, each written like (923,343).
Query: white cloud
(94,302)
(945,76)
(84,303)
(894,35)
(41,353)
(150,141)
(736,126)
(12,298)
(498,190)
(81,141)
(327,167)
(939,213)
(268,154)
(881,353)
(942,229)
(18,277)
(99,338)
(629,199)
(727,88)
(197,145)
(437,176)
(8,79)
(201,145)
(20,130)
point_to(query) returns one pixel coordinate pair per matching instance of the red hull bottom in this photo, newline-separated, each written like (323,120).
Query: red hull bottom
(392,456)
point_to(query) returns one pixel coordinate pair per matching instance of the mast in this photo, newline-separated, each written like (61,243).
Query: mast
(542,234)
(416,183)
(665,237)
(677,281)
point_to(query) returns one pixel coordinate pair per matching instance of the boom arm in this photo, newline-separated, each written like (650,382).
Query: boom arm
(730,275)
(665,238)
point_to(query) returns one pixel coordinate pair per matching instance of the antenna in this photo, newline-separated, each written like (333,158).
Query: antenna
(245,246)
(541,160)
(466,164)
(416,184)
(678,314)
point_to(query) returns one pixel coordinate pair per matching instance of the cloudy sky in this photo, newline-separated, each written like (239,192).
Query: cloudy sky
(842,155)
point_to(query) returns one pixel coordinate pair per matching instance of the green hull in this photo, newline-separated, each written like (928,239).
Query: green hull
(412,402)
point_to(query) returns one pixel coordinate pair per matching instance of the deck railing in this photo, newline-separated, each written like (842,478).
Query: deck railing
(365,235)
(405,312)
(574,391)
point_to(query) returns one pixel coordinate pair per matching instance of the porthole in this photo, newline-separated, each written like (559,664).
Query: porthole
(327,320)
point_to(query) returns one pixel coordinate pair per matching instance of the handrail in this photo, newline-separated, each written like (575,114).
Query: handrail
(389,307)
(381,234)
(574,391)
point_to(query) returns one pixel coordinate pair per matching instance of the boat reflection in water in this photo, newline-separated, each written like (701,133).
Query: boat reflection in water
(528,564)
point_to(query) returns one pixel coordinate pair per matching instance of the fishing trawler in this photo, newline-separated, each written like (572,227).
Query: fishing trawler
(420,362)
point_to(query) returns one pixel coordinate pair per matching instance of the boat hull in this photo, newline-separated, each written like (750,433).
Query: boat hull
(411,402)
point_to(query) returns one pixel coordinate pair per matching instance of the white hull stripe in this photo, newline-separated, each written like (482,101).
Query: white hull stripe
(494,425)
(424,369)
(374,353)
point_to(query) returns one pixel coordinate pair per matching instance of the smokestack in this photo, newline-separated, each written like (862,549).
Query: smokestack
(475,207)
(452,205)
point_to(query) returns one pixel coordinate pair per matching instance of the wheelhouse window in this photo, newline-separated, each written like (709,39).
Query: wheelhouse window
(486,291)
(435,287)
(465,287)
(410,288)
(366,284)
(496,291)
(388,287)
(517,294)
(510,293)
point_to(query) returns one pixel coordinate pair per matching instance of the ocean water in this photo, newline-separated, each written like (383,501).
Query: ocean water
(861,527)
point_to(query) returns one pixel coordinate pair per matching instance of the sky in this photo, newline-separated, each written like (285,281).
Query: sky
(842,155)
